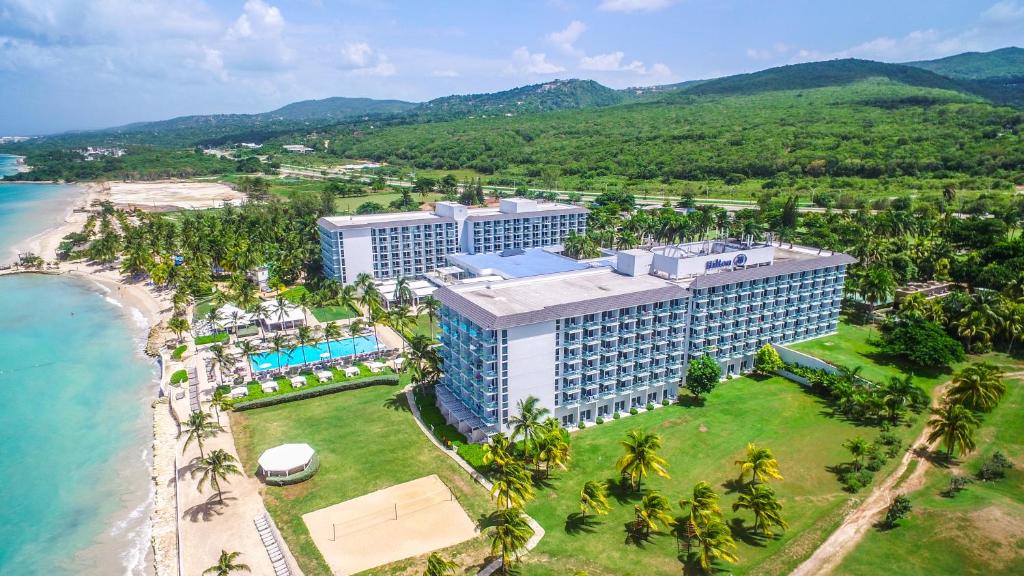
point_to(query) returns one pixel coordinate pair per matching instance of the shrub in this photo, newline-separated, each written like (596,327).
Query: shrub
(888,439)
(650,406)
(599,420)
(665,402)
(179,352)
(995,468)
(767,360)
(616,416)
(179,376)
(899,508)
(581,425)
(387,379)
(957,484)
(634,411)
(854,481)
(702,375)
(217,338)
(920,341)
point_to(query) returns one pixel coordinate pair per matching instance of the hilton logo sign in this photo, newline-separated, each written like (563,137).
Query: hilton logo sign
(737,260)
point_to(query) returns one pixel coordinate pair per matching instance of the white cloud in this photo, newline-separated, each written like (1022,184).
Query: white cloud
(357,54)
(634,5)
(258,20)
(525,62)
(778,49)
(382,68)
(1006,12)
(444,74)
(565,40)
(611,62)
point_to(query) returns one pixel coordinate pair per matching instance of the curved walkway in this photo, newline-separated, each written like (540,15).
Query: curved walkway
(830,554)
(538,531)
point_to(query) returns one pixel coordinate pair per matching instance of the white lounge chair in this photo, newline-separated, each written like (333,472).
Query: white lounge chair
(239,392)
(375,367)
(325,375)
(269,386)
(351,371)
(298,381)
(397,363)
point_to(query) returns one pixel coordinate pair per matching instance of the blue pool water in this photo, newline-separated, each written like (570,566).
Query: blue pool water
(294,356)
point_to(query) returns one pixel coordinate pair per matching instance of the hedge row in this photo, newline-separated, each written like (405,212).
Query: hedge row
(322,390)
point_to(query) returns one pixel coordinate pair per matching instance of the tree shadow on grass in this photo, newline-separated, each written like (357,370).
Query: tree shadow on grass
(690,401)
(540,481)
(733,485)
(207,510)
(620,489)
(577,523)
(488,520)
(398,402)
(637,539)
(748,536)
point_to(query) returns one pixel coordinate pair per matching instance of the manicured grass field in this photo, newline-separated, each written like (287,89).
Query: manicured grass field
(366,440)
(981,531)
(702,443)
(423,326)
(321,313)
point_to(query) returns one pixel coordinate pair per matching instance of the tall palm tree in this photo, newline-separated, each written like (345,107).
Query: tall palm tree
(527,422)
(278,343)
(348,297)
(509,534)
(332,332)
(767,510)
(197,428)
(760,464)
(511,484)
(355,328)
(715,542)
(403,291)
(955,426)
(280,309)
(214,468)
(701,508)
(552,448)
(594,497)
(977,387)
(226,565)
(431,307)
(438,565)
(402,321)
(651,510)
(260,315)
(859,448)
(223,359)
(641,457)
(303,337)
(901,393)
(248,349)
(179,325)
(220,402)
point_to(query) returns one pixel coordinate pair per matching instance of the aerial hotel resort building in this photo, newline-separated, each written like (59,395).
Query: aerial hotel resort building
(408,244)
(619,332)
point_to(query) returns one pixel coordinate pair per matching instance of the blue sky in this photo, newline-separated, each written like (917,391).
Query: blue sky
(75,64)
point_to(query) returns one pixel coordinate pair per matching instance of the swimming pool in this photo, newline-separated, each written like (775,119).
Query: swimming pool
(296,356)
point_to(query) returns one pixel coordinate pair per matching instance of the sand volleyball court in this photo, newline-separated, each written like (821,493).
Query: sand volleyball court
(399,522)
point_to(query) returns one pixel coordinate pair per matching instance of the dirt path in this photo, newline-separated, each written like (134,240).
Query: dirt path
(829,555)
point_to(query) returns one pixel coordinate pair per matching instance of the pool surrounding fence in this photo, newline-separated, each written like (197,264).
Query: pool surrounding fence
(301,355)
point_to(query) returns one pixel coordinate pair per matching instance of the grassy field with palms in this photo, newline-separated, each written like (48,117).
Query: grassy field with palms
(980,531)
(366,440)
(702,444)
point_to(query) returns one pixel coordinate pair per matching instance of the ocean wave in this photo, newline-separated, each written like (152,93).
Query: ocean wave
(138,532)
(114,302)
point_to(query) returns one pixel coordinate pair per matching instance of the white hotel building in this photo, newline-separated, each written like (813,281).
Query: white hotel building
(619,334)
(408,244)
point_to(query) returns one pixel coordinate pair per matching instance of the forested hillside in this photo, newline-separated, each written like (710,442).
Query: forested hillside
(997,64)
(871,128)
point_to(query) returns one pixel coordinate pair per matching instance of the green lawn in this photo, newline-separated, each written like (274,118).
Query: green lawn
(425,327)
(981,531)
(321,313)
(702,444)
(366,440)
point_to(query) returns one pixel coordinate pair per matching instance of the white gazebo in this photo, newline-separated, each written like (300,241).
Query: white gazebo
(287,460)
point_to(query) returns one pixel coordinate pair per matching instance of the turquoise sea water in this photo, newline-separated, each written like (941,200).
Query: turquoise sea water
(75,422)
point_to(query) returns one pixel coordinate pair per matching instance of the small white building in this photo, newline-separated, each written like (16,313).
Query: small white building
(297,148)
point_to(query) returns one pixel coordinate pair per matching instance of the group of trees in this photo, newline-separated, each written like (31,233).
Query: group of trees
(975,390)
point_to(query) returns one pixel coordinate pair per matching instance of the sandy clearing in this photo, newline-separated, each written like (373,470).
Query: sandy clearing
(381,527)
(170,195)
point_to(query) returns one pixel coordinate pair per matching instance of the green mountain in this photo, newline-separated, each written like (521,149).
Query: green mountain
(546,97)
(336,108)
(1002,64)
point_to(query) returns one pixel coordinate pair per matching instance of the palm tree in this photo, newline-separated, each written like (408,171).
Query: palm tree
(199,427)
(955,426)
(280,309)
(370,300)
(552,447)
(651,510)
(900,393)
(527,423)
(641,457)
(332,332)
(304,337)
(248,349)
(278,343)
(259,315)
(222,359)
(701,509)
(179,325)
(403,292)
(859,448)
(760,464)
(214,468)
(761,501)
(877,284)
(594,496)
(510,534)
(438,565)
(355,328)
(715,542)
(402,321)
(499,450)
(511,484)
(226,565)
(220,402)
(977,387)
(431,307)
(347,297)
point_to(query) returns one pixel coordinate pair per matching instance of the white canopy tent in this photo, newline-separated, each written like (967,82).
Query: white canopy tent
(286,459)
